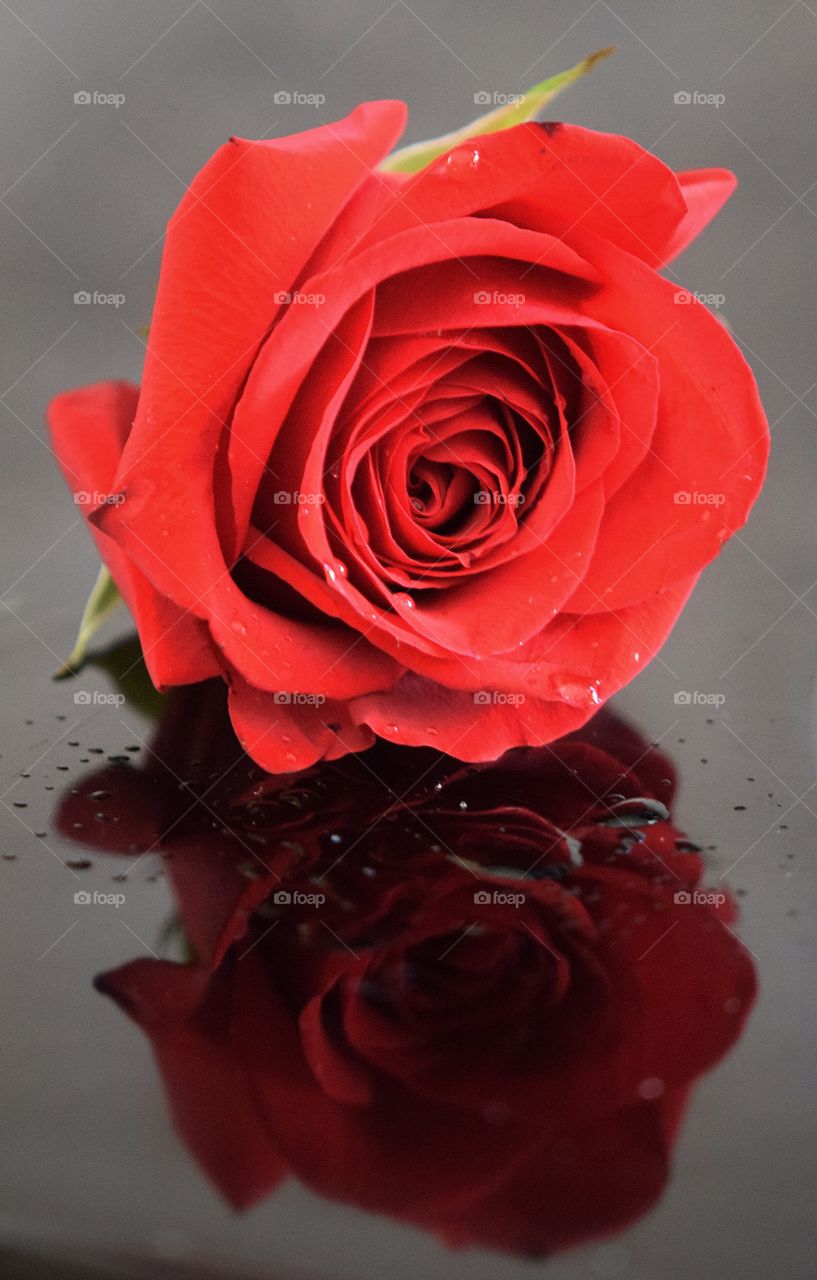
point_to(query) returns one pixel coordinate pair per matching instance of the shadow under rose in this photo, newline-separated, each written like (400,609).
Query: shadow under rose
(473,997)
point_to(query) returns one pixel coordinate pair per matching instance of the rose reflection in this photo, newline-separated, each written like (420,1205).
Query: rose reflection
(472,997)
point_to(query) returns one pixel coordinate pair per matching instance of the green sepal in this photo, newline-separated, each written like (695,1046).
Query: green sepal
(104,598)
(420,154)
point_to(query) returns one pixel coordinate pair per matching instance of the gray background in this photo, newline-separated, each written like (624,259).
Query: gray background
(89,1164)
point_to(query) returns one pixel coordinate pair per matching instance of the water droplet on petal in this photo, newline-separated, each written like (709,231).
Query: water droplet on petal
(639,811)
(577,693)
(650,1088)
(462,161)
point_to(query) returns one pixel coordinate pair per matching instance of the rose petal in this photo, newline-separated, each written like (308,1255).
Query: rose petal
(89,427)
(185,1013)
(705,192)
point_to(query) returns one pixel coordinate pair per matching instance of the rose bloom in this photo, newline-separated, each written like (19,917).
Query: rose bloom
(480,1011)
(434,457)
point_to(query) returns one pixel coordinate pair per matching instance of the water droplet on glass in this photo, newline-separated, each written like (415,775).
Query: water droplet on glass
(251,870)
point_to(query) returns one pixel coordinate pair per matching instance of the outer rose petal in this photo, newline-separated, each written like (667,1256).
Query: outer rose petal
(418,712)
(185,1013)
(550,178)
(243,232)
(561,677)
(246,227)
(702,969)
(705,192)
(89,428)
(628,1154)
(285,737)
(557,178)
(711,438)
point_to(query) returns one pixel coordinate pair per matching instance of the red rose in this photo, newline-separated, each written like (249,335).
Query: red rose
(437,458)
(489,1024)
